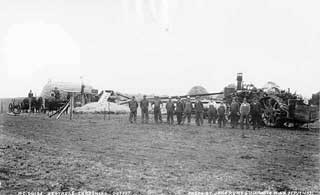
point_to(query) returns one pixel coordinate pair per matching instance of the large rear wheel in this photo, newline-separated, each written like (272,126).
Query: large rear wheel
(272,111)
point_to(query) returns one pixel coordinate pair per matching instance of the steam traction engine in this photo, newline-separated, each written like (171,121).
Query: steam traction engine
(279,108)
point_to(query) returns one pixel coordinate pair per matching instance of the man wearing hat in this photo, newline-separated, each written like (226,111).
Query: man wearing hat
(157,109)
(244,113)
(133,105)
(144,105)
(179,110)
(170,111)
(222,115)
(255,113)
(212,113)
(30,96)
(234,113)
(199,111)
(187,110)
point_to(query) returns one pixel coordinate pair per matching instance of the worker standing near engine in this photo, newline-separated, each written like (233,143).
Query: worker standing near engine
(256,114)
(157,109)
(212,113)
(133,105)
(244,113)
(30,96)
(199,111)
(179,110)
(187,110)
(144,105)
(170,111)
(234,113)
(222,115)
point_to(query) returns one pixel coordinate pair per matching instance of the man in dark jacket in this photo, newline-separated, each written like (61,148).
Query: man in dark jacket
(212,113)
(221,115)
(170,111)
(199,112)
(179,110)
(30,96)
(56,93)
(144,105)
(133,105)
(255,114)
(234,113)
(157,109)
(244,113)
(187,110)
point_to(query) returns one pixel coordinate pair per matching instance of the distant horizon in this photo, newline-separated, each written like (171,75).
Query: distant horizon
(37,94)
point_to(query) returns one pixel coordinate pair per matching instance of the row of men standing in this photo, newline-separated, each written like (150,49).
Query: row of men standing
(244,112)
(182,110)
(236,112)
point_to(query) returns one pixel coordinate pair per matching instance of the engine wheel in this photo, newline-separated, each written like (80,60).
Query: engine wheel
(272,111)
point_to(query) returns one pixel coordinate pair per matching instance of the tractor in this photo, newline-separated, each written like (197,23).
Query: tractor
(280,108)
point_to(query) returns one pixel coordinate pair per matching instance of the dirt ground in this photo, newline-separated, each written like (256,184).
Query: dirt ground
(89,153)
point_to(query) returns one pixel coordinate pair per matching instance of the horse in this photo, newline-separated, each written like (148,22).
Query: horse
(36,105)
(52,104)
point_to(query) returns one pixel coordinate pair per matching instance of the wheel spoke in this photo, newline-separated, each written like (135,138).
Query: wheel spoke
(264,104)
(271,111)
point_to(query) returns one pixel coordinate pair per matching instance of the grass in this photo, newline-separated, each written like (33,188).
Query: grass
(89,153)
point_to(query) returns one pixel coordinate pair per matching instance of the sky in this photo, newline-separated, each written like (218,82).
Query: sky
(159,46)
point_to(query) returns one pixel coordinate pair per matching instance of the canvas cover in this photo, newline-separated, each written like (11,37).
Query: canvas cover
(63,88)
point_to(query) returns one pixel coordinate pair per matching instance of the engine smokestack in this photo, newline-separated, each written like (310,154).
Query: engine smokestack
(239,81)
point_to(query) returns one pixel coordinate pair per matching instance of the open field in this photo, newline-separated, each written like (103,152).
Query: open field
(89,153)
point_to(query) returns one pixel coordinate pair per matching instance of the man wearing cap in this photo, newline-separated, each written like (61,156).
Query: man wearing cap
(199,111)
(234,113)
(170,111)
(157,109)
(244,113)
(144,105)
(30,96)
(133,105)
(187,110)
(179,110)
(212,113)
(222,115)
(256,114)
